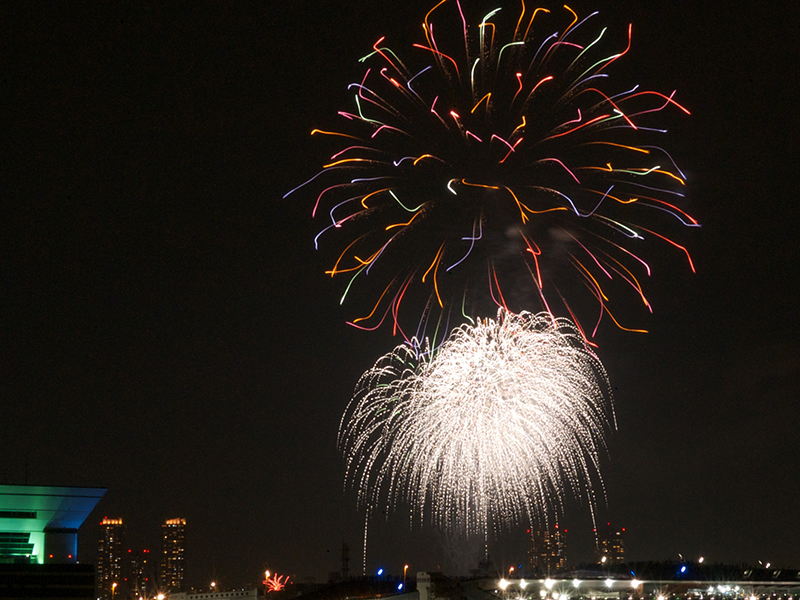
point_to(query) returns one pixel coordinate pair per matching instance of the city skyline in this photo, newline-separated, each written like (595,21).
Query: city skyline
(168,330)
(125,568)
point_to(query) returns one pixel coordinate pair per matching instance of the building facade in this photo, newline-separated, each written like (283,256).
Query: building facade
(610,544)
(111,557)
(547,550)
(251,594)
(171,571)
(39,524)
(137,576)
(39,541)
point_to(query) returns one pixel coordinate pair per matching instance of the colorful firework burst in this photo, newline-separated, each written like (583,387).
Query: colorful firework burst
(499,165)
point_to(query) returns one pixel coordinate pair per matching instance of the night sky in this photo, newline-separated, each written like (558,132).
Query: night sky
(167,331)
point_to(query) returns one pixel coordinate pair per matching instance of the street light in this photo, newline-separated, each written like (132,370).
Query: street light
(405,569)
(635,583)
(113,588)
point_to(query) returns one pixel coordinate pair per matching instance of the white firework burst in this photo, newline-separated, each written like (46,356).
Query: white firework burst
(491,428)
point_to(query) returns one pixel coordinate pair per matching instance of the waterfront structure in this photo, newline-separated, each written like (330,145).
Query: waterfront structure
(610,544)
(251,594)
(39,541)
(39,524)
(547,550)
(110,557)
(773,585)
(172,560)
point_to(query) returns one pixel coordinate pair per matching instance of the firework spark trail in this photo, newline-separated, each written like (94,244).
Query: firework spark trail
(275,583)
(501,129)
(492,428)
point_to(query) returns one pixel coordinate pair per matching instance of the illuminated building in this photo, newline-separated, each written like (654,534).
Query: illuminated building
(547,550)
(39,541)
(110,557)
(39,524)
(137,575)
(610,544)
(173,550)
(251,594)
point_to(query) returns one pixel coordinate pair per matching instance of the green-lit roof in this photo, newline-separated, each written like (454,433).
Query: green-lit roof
(40,507)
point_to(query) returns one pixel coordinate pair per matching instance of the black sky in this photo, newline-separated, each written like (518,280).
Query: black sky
(167,332)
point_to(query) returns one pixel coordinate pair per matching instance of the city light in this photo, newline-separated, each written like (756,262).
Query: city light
(576,583)
(609,583)
(548,583)
(503,584)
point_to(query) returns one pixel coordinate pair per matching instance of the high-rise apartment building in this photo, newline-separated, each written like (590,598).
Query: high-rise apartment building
(110,557)
(138,573)
(547,550)
(610,544)
(173,551)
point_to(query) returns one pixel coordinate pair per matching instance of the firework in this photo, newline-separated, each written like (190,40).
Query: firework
(498,164)
(491,428)
(275,582)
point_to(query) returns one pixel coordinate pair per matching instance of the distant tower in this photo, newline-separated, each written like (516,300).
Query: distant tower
(173,551)
(138,572)
(547,550)
(610,544)
(110,555)
(345,561)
